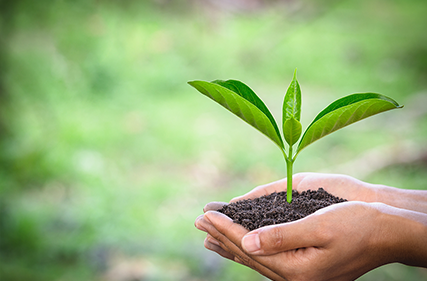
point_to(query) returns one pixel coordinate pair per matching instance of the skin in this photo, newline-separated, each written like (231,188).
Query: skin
(379,225)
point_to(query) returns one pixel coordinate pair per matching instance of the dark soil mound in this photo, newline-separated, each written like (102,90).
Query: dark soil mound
(274,209)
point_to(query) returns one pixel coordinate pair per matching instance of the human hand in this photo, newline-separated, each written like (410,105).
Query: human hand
(335,184)
(339,242)
(338,185)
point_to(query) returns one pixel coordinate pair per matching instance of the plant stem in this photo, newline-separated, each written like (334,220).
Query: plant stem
(289,169)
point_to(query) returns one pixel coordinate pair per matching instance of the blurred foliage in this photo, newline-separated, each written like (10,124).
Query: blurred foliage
(107,156)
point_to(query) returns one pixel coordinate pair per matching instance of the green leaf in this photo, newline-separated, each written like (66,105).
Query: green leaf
(292,101)
(244,91)
(343,112)
(243,102)
(292,130)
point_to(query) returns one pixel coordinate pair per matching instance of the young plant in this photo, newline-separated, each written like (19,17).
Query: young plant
(243,102)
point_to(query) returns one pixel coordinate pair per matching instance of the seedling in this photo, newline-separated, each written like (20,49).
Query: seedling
(243,102)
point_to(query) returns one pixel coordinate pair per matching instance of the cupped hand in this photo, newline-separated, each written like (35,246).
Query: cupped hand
(353,189)
(339,242)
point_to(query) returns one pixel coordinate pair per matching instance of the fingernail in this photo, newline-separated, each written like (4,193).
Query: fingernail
(213,241)
(251,243)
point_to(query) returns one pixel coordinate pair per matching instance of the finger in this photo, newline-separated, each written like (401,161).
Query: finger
(215,247)
(221,222)
(229,235)
(205,223)
(212,240)
(224,253)
(198,225)
(224,242)
(263,190)
(274,239)
(213,206)
(238,261)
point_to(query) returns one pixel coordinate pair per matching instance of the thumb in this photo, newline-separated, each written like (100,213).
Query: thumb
(273,239)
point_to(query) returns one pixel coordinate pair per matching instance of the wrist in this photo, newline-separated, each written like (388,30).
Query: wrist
(415,200)
(401,236)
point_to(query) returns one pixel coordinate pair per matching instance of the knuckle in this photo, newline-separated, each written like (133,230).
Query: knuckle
(323,231)
(298,176)
(271,238)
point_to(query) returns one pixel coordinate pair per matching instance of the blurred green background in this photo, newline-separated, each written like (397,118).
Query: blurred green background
(107,156)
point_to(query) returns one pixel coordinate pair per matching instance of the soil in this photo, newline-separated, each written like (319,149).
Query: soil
(274,209)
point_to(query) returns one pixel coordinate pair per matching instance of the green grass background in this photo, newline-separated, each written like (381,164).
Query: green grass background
(107,156)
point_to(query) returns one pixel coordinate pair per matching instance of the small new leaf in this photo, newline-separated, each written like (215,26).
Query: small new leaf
(292,101)
(292,131)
